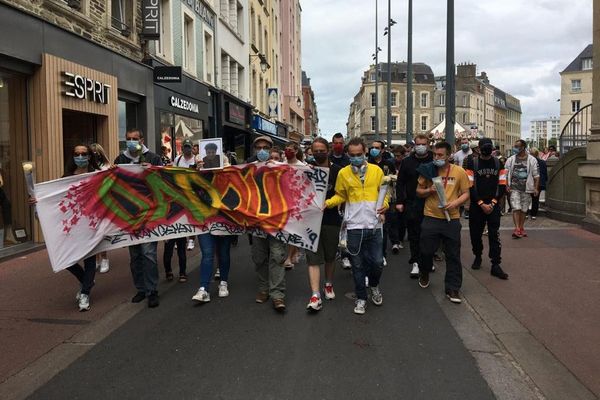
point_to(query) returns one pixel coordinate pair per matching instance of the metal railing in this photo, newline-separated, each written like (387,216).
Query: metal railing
(576,131)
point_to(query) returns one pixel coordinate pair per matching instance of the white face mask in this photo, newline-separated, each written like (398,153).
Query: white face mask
(421,149)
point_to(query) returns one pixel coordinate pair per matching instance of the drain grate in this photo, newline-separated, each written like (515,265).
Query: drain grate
(58,321)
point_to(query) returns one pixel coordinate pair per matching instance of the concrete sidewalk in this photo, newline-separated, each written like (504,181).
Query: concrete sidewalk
(38,311)
(553,291)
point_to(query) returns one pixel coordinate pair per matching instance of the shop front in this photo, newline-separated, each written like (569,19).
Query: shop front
(51,99)
(276,131)
(235,126)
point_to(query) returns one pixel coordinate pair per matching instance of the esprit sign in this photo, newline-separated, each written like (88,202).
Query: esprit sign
(184,104)
(80,87)
(151,19)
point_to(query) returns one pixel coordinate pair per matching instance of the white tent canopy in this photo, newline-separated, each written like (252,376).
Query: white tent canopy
(439,132)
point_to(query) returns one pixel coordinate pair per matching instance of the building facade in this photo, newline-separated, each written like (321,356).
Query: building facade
(291,69)
(576,86)
(311,115)
(361,119)
(541,131)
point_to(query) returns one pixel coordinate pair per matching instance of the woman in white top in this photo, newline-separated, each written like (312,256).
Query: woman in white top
(101,162)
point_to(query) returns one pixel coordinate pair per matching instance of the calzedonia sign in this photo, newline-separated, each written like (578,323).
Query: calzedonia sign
(80,87)
(184,104)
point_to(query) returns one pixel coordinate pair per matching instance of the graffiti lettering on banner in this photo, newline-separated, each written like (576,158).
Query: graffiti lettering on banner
(83,215)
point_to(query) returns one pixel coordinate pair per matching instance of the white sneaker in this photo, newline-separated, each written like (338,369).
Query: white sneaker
(346,263)
(395,248)
(314,304)
(190,245)
(223,292)
(366,281)
(414,272)
(202,296)
(360,307)
(384,262)
(433,268)
(401,245)
(376,296)
(329,293)
(104,266)
(84,302)
(217,273)
(77,296)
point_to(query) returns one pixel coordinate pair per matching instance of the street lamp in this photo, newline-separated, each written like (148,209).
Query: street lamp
(409,80)
(388,32)
(264,64)
(450,83)
(376,58)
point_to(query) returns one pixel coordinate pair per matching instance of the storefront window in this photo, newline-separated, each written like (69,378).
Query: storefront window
(15,225)
(174,129)
(128,118)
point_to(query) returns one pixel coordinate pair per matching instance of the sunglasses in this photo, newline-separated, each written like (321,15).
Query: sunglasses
(81,154)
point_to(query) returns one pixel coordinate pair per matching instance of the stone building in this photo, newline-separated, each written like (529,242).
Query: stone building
(311,116)
(576,86)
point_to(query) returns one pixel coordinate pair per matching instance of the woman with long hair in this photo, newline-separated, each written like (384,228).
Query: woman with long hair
(81,162)
(101,162)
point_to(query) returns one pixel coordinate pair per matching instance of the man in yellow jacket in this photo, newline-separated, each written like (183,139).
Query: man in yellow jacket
(358,185)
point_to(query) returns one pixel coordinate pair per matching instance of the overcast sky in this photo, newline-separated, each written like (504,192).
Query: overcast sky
(521,44)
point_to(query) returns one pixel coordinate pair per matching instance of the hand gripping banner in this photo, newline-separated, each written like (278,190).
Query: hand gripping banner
(82,215)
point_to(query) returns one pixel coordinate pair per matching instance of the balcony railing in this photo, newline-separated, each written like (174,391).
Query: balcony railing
(576,131)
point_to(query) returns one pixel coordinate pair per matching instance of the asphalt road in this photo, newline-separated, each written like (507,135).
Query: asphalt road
(233,348)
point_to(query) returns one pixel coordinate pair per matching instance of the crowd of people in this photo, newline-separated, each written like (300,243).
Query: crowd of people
(377,196)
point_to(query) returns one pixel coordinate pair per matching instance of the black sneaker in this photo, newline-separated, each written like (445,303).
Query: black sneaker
(423,279)
(153,300)
(453,296)
(476,263)
(139,296)
(498,272)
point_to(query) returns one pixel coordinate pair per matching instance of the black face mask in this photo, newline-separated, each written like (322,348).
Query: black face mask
(486,150)
(320,157)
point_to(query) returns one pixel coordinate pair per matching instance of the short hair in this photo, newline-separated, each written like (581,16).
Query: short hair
(338,135)
(380,141)
(534,152)
(135,130)
(357,141)
(211,146)
(276,149)
(523,143)
(422,136)
(322,141)
(443,145)
(552,147)
(399,149)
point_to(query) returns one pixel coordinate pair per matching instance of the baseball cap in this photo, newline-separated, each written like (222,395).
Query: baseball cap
(187,142)
(483,141)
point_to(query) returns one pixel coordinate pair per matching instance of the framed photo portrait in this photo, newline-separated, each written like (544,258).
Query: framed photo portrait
(211,152)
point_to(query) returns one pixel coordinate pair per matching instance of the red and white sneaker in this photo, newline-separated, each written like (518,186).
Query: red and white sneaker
(523,233)
(314,304)
(517,234)
(329,293)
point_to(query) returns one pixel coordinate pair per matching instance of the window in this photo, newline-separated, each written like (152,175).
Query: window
(188,47)
(587,64)
(163,45)
(424,100)
(575,105)
(373,76)
(464,100)
(372,123)
(424,122)
(442,116)
(128,118)
(576,84)
(121,13)
(373,100)
(208,57)
(394,99)
(394,123)
(442,99)
(253,26)
(240,19)
(464,118)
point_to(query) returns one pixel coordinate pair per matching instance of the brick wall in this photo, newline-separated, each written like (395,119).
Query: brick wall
(91,22)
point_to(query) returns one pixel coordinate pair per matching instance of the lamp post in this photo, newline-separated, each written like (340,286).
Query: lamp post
(388,32)
(376,56)
(450,84)
(409,80)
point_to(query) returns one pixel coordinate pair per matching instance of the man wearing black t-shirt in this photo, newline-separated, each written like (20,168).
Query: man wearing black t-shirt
(488,183)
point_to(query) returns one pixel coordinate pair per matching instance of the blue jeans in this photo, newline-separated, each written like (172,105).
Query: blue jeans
(144,268)
(365,251)
(208,243)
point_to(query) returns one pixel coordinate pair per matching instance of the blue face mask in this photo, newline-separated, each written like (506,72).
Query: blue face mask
(357,161)
(132,145)
(464,147)
(439,163)
(516,150)
(310,159)
(262,155)
(375,152)
(81,161)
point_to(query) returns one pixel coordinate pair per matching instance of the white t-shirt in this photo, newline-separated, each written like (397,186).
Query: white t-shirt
(298,162)
(180,161)
(460,156)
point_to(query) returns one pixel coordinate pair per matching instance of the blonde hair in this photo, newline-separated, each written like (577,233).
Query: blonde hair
(96,148)
(534,152)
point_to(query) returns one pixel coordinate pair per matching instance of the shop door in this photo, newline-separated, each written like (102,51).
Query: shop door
(79,128)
